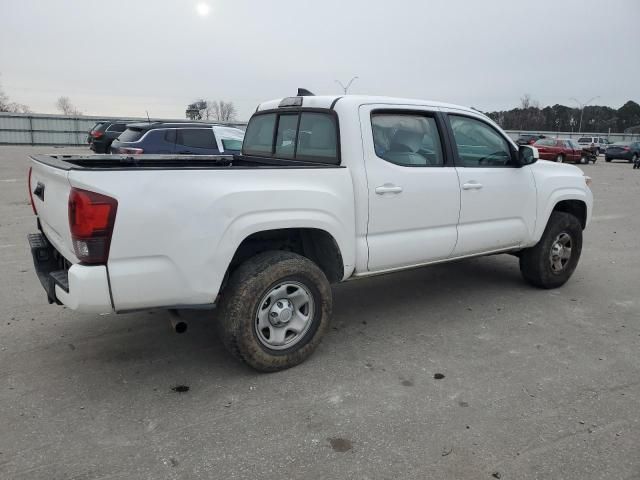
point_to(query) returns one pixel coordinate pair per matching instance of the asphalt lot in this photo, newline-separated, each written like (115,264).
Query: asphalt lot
(537,384)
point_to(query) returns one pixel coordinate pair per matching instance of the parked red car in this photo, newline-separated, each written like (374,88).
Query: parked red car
(562,150)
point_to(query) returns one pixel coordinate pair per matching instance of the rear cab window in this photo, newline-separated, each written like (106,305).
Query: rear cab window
(300,135)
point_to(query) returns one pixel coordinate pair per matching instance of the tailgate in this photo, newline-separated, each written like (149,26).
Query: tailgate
(50,189)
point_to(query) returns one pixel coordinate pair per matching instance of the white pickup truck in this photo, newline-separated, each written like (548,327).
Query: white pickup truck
(327,189)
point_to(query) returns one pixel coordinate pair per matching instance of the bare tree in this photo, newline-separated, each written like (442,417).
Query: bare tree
(525,101)
(222,111)
(12,107)
(217,110)
(66,107)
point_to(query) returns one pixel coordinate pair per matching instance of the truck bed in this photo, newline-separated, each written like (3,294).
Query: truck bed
(179,221)
(169,162)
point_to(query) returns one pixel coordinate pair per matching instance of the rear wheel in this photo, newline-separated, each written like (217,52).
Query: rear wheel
(634,158)
(584,159)
(275,310)
(552,261)
(607,159)
(559,159)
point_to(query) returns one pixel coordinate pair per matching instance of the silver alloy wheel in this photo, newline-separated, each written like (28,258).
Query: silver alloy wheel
(560,253)
(559,159)
(284,315)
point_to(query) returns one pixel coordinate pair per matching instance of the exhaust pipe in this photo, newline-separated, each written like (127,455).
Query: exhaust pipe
(177,322)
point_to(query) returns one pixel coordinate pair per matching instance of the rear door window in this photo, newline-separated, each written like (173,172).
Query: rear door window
(196,138)
(406,139)
(170,135)
(131,135)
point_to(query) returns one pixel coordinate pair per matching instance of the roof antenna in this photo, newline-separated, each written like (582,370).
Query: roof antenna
(303,92)
(148,119)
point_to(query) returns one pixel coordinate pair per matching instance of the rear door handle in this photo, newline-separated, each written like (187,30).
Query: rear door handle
(388,188)
(472,186)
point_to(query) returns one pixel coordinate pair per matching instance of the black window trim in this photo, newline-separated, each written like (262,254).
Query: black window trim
(456,159)
(419,112)
(305,158)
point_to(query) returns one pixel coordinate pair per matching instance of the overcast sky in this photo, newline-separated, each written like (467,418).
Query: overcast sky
(122,57)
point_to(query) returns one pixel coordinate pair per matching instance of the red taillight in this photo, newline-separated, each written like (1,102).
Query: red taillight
(626,149)
(130,150)
(33,205)
(96,133)
(91,219)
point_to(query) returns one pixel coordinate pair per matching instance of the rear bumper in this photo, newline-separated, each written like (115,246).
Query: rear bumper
(79,287)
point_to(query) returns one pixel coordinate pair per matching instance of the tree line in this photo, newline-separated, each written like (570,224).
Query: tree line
(595,118)
(63,105)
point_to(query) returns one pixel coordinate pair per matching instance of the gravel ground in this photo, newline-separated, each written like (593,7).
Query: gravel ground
(453,371)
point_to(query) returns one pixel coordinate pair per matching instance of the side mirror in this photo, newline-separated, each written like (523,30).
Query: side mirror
(527,155)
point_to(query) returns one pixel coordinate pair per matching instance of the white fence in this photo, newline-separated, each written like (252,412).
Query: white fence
(42,129)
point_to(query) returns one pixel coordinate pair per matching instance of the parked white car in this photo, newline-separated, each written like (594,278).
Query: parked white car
(327,189)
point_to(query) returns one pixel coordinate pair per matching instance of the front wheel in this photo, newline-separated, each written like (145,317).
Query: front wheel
(584,160)
(552,261)
(634,158)
(275,310)
(559,159)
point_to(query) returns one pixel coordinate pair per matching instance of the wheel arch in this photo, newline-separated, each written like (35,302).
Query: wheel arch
(577,208)
(576,202)
(316,244)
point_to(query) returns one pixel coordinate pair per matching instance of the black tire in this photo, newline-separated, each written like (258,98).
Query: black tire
(560,158)
(535,262)
(584,160)
(247,287)
(634,158)
(607,159)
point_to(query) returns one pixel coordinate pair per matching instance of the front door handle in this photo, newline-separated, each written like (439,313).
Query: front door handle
(472,186)
(388,188)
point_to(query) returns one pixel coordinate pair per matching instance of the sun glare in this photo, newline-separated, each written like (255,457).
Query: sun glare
(203,9)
